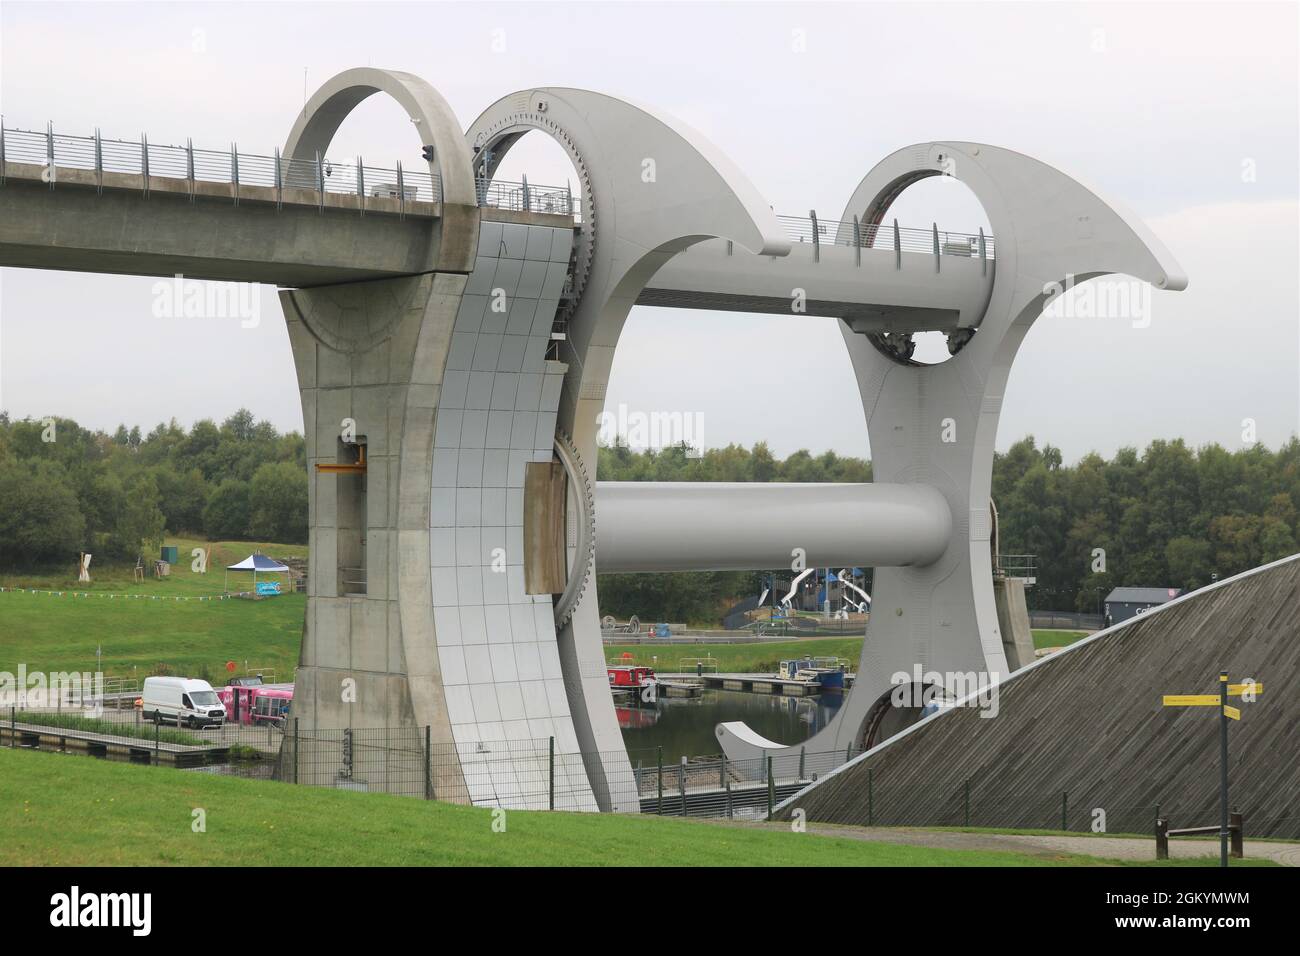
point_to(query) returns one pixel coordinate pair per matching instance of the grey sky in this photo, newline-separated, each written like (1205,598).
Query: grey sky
(1162,107)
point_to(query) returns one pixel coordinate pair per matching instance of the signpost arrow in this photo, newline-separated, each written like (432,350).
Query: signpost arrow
(1247,692)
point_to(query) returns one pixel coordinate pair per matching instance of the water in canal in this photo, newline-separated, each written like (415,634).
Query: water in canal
(684,728)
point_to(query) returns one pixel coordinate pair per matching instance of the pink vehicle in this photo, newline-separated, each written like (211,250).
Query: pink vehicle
(256,703)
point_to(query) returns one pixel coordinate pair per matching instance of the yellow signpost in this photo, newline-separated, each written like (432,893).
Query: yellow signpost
(1247,692)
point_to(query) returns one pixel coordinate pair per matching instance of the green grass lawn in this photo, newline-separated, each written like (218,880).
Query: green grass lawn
(138,634)
(58,809)
(763,657)
(1050,638)
(737,658)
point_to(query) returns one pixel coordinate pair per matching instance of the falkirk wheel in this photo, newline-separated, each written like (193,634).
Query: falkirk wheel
(473,390)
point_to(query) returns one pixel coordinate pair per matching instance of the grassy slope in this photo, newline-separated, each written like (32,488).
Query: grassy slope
(61,633)
(71,810)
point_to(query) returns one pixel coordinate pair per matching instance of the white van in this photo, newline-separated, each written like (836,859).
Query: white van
(194,702)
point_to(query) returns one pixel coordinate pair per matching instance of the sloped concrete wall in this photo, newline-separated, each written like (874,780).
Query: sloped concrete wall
(1088,723)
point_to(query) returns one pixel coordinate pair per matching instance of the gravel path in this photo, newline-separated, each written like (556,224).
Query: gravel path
(1111,848)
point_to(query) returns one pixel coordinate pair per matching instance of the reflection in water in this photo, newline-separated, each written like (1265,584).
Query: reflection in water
(685,728)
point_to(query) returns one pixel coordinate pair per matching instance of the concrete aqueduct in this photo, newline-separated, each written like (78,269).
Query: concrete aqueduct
(453,338)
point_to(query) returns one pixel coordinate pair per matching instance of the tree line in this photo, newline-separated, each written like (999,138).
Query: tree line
(1168,516)
(64,488)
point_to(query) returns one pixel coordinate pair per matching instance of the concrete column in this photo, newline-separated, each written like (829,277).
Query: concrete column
(369,358)
(1013,622)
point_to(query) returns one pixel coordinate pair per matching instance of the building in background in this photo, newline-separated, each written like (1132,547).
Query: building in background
(1124,603)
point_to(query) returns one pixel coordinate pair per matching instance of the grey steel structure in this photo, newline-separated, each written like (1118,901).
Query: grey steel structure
(453,342)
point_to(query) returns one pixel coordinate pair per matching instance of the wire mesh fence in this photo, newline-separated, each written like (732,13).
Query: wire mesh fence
(538,774)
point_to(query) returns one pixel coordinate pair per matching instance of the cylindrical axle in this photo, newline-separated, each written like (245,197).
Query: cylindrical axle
(739,526)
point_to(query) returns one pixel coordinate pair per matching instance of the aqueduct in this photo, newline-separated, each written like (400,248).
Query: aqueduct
(453,339)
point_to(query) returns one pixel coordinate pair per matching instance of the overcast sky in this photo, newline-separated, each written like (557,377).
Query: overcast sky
(1187,113)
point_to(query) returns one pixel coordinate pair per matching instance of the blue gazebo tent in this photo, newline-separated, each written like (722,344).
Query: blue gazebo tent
(256,562)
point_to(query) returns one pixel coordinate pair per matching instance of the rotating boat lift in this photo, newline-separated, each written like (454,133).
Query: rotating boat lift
(924,525)
(667,220)
(477,524)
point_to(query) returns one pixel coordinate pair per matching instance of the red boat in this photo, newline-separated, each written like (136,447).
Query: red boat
(631,675)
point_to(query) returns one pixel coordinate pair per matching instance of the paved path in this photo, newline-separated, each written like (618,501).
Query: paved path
(1111,848)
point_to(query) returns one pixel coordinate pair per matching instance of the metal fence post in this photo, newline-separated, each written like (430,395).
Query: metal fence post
(361,186)
(681,783)
(428,762)
(320,184)
(49,152)
(660,811)
(722,771)
(13,726)
(771,788)
(1065,810)
(401,192)
(234,169)
(729,810)
(966,800)
(934,231)
(816,239)
(552,774)
(801,762)
(279,182)
(295,750)
(157,729)
(1223,769)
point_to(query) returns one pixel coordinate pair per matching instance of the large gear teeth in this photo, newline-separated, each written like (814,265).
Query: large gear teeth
(584,559)
(585,246)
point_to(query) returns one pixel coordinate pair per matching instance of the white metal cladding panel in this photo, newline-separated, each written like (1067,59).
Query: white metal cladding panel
(497,411)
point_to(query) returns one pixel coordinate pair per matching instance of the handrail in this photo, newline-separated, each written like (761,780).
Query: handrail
(154,161)
(275,171)
(864,235)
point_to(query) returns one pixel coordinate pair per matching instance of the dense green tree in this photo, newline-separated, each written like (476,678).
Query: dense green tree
(139,524)
(228,511)
(278,503)
(40,518)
